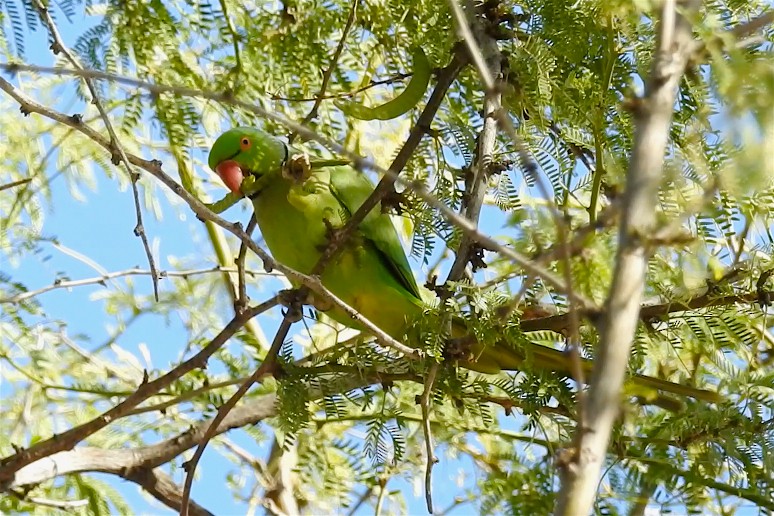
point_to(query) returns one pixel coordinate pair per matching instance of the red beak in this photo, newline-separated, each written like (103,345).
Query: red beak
(231,174)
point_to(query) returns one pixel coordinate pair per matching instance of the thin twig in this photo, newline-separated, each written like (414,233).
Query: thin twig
(380,497)
(100,280)
(266,368)
(234,36)
(58,46)
(395,78)
(14,184)
(62,505)
(424,402)
(241,299)
(327,74)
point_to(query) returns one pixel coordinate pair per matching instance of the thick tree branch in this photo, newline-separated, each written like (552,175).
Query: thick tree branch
(474,196)
(580,477)
(559,323)
(136,464)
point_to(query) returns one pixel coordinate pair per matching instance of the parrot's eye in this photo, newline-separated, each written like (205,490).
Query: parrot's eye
(245,143)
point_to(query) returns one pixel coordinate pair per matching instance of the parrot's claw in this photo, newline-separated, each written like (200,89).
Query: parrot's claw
(332,235)
(297,168)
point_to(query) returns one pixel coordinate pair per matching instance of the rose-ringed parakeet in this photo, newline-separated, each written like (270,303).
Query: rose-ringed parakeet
(371,272)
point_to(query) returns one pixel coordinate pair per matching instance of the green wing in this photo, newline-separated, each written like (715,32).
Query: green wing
(351,189)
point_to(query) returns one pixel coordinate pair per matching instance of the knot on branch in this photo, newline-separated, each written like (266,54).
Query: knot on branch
(764,295)
(495,167)
(393,200)
(115,156)
(476,257)
(441,290)
(294,300)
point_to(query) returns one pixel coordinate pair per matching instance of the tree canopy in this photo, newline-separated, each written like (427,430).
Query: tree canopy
(593,176)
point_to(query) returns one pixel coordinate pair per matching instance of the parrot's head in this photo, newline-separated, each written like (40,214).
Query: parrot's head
(246,151)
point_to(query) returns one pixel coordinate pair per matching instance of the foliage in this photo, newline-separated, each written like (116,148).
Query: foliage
(348,411)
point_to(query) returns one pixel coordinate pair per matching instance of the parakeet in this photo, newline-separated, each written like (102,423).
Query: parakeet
(295,213)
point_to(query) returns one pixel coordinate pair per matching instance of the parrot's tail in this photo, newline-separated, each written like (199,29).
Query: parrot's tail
(492,359)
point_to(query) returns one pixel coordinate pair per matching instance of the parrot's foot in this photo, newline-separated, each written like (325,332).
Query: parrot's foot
(332,235)
(297,168)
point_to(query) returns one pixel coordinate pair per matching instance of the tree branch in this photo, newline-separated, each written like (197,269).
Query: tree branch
(57,47)
(266,368)
(202,212)
(100,280)
(68,439)
(559,323)
(327,74)
(580,477)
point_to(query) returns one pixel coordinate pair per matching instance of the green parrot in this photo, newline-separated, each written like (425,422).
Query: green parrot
(295,211)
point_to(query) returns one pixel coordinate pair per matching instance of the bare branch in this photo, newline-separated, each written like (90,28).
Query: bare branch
(580,476)
(57,47)
(266,368)
(327,74)
(490,66)
(424,402)
(559,323)
(395,78)
(14,184)
(100,280)
(746,29)
(62,505)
